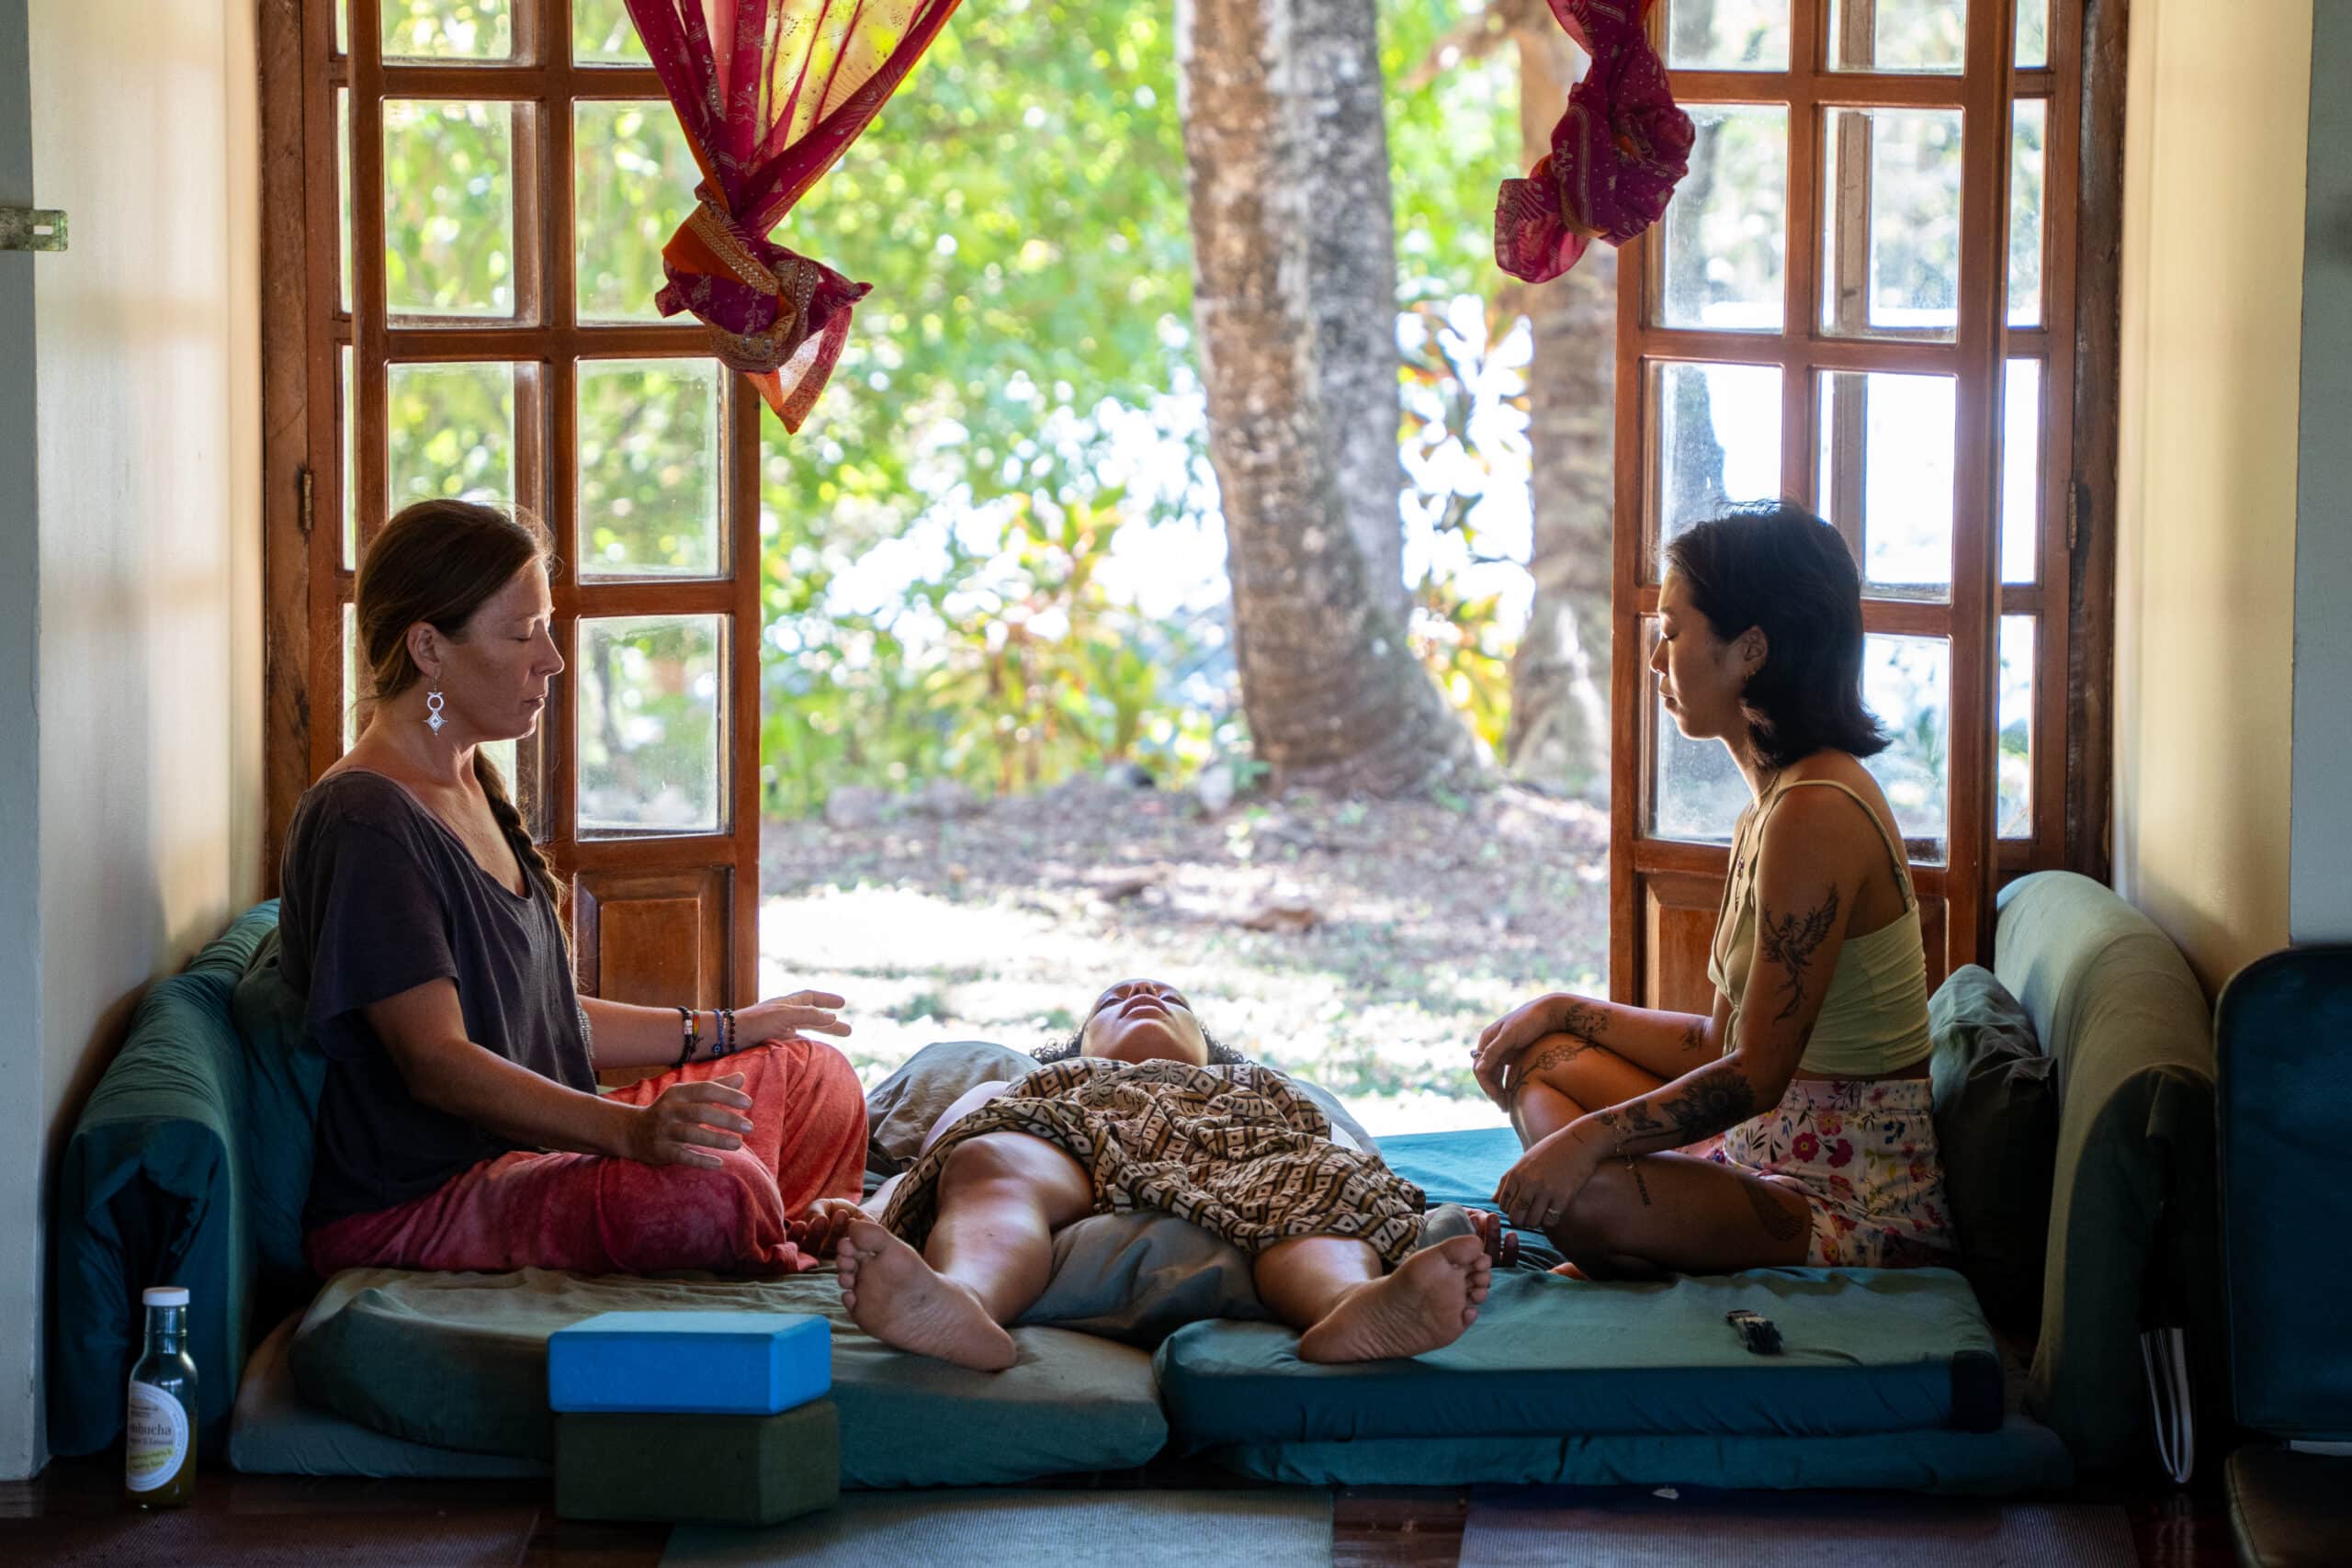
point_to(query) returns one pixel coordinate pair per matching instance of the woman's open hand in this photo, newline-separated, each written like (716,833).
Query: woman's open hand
(781,1017)
(687,1120)
(1503,1042)
(1537,1191)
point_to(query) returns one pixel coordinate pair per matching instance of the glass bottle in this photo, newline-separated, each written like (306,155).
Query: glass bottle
(159,1429)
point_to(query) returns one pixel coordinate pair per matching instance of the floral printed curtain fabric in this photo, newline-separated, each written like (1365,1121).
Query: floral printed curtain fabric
(1617,152)
(770,92)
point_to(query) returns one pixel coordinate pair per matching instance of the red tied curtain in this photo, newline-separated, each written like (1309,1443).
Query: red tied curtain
(770,93)
(1617,151)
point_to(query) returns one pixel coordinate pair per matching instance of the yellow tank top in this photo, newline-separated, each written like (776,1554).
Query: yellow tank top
(1874,1018)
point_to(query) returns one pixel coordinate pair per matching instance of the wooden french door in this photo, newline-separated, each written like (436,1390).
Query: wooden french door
(1862,298)
(464,205)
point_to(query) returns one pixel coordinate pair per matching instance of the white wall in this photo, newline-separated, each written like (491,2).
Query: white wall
(2320,886)
(21,1124)
(2205,596)
(146,401)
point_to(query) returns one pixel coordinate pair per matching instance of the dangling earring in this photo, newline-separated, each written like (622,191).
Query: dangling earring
(433,711)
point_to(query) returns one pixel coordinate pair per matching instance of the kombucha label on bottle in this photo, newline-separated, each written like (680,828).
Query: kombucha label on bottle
(155,1439)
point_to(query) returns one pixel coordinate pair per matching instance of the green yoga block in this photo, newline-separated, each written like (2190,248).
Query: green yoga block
(703,1470)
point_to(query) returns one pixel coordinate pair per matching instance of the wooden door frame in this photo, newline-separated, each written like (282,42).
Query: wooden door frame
(305,330)
(2075,585)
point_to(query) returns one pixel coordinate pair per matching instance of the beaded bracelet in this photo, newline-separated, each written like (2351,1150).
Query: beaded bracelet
(727,1044)
(689,1037)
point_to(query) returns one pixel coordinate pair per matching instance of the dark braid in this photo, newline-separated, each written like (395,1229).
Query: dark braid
(510,822)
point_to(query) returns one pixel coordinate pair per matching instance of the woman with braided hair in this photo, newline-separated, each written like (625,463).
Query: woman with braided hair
(460,1126)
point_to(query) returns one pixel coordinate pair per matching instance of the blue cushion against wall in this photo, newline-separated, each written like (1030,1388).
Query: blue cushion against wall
(2285,1047)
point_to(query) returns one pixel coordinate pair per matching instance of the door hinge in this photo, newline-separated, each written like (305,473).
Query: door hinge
(306,485)
(2075,502)
(31,228)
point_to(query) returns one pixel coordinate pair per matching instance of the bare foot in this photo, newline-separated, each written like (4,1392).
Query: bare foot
(898,1298)
(1425,1303)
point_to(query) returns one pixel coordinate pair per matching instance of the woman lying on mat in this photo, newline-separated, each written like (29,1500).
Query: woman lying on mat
(460,1127)
(1800,1108)
(1142,1118)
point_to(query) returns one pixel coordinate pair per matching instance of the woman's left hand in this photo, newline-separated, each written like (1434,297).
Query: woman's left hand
(781,1018)
(1538,1189)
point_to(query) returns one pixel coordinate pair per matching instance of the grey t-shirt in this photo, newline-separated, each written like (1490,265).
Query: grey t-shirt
(380,896)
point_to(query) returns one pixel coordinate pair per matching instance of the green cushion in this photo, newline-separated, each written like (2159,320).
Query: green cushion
(149,1192)
(2135,1232)
(276,1432)
(1867,1350)
(459,1361)
(2021,1457)
(704,1470)
(284,1074)
(1997,1130)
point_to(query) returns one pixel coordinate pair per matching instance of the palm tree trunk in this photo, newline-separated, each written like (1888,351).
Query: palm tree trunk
(1271,92)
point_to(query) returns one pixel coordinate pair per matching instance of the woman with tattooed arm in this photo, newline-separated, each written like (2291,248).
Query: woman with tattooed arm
(1791,1125)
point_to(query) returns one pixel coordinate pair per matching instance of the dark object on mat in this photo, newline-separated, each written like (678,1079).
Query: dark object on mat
(1996,1129)
(706,1470)
(1756,1331)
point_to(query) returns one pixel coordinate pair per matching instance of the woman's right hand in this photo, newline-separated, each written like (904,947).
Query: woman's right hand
(687,1120)
(1503,1042)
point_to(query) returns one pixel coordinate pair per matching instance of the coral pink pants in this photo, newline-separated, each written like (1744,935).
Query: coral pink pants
(598,1215)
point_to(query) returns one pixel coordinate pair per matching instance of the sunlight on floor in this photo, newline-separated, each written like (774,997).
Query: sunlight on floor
(917,967)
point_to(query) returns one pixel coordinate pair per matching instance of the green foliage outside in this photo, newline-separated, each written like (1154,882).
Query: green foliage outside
(1019,393)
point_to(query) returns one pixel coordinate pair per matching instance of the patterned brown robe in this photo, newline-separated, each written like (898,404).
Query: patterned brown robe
(1237,1150)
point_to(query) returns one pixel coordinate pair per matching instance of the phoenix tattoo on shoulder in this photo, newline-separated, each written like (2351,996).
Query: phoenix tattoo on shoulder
(1793,941)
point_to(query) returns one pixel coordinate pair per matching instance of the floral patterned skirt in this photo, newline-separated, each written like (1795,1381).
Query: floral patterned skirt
(1864,1154)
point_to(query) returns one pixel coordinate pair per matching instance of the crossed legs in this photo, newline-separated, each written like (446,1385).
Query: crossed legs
(990,1253)
(1652,1213)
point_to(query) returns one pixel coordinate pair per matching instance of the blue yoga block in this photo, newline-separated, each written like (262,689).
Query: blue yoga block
(704,1363)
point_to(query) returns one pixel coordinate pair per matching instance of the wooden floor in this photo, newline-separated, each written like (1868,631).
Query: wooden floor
(1388,1526)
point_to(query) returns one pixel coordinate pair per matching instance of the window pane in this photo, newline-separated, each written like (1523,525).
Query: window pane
(1718,440)
(1723,236)
(450,430)
(2020,470)
(347,416)
(2033,32)
(1886,475)
(2032,117)
(350,676)
(447,29)
(1897,35)
(635,182)
(1728,35)
(1892,250)
(650,725)
(602,34)
(1699,791)
(648,468)
(343,26)
(2014,806)
(448,208)
(1906,681)
(343,188)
